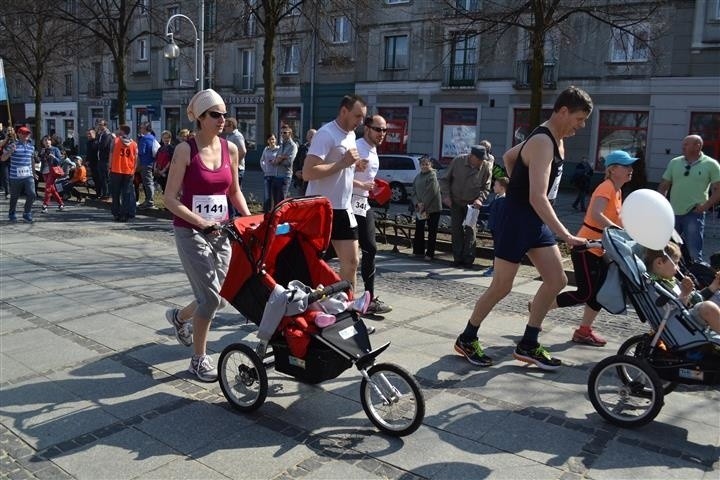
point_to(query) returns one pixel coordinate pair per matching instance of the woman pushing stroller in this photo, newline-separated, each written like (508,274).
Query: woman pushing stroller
(201,179)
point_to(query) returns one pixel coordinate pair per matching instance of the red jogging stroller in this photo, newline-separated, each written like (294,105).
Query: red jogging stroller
(276,280)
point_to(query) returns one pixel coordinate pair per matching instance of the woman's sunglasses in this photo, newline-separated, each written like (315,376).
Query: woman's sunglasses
(217,115)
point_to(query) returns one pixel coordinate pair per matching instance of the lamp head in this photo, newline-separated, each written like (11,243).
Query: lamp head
(171,50)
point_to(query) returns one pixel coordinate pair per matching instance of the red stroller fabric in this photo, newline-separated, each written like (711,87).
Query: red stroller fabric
(262,258)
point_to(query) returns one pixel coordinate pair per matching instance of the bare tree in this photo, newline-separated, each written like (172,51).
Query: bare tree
(541,18)
(115,23)
(31,44)
(275,19)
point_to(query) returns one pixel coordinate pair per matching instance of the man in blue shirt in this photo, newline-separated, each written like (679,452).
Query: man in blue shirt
(20,154)
(146,155)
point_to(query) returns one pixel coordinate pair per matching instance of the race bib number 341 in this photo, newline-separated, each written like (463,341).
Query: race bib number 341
(211,207)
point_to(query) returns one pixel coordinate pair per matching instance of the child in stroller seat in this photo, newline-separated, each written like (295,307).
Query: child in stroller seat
(662,266)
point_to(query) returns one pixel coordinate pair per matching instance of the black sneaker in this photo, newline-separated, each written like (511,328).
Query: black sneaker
(538,356)
(378,307)
(473,352)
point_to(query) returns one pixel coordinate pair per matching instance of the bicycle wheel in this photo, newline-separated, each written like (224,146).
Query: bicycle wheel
(243,378)
(392,399)
(639,347)
(626,404)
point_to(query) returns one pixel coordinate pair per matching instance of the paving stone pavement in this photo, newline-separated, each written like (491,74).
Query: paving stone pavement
(93,384)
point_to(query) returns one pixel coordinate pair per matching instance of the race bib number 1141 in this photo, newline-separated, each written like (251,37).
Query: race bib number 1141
(211,207)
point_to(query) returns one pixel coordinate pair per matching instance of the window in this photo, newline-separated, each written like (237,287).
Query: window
(396,52)
(96,85)
(397,124)
(707,125)
(144,7)
(50,88)
(292,8)
(210,19)
(290,116)
(172,69)
(521,123)
(248,23)
(68,85)
(209,80)
(247,69)
(175,24)
(467,5)
(621,130)
(247,124)
(393,2)
(630,44)
(459,132)
(341,30)
(142,50)
(291,59)
(462,69)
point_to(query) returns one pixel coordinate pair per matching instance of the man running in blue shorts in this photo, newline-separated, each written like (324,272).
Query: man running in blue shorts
(530,227)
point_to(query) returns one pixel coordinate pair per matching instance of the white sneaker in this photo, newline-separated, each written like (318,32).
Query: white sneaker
(202,367)
(183,330)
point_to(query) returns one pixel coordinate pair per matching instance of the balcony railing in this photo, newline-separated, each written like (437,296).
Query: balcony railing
(243,83)
(522,74)
(461,75)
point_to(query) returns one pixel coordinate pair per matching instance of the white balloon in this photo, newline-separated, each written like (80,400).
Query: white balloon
(648,218)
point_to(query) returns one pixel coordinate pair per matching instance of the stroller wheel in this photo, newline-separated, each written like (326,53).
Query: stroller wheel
(629,401)
(392,399)
(243,378)
(639,347)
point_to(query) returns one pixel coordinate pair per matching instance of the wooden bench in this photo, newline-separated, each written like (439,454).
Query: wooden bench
(402,227)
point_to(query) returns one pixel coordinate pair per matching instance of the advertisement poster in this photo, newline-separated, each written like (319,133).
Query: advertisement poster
(457,140)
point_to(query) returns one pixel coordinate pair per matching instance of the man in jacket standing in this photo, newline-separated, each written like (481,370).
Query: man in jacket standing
(105,140)
(466,184)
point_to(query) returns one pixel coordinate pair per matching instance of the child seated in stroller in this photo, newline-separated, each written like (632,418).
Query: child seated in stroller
(663,265)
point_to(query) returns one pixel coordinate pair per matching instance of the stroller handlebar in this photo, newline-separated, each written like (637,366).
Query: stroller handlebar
(337,287)
(588,245)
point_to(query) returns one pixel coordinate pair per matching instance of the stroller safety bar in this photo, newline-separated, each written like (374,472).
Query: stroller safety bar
(327,291)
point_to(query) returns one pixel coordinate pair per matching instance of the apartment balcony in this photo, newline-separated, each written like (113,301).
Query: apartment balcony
(244,83)
(522,74)
(461,75)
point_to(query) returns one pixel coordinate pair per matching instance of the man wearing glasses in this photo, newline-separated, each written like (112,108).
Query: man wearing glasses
(280,187)
(373,135)
(690,176)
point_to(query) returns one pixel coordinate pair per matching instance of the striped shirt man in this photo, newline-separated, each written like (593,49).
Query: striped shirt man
(21,160)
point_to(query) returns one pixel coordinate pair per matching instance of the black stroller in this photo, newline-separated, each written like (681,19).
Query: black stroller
(628,389)
(274,281)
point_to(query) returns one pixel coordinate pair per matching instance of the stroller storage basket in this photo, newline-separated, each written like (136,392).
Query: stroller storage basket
(320,363)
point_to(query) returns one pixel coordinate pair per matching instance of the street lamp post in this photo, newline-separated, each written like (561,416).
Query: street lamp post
(172,51)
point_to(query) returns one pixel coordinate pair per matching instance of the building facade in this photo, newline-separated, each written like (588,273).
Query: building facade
(442,85)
